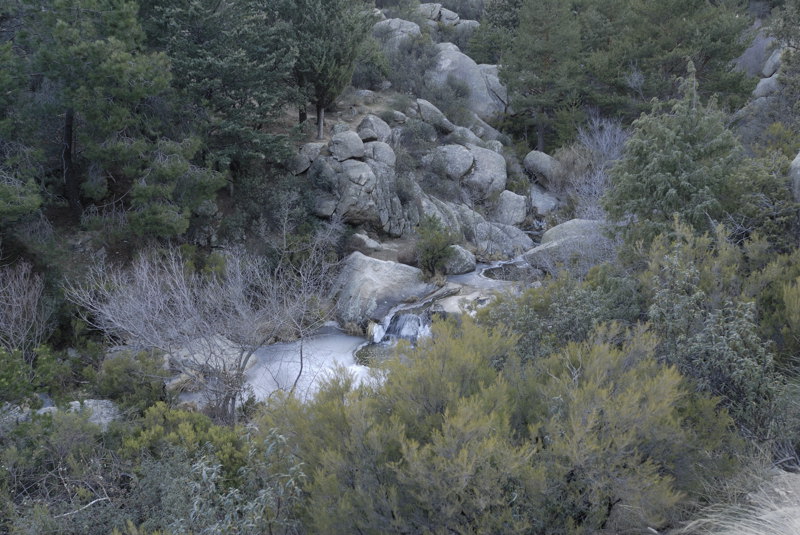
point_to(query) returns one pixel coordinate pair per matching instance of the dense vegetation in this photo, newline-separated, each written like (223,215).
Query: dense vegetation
(619,398)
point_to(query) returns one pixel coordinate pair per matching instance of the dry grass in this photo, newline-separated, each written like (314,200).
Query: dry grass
(772,510)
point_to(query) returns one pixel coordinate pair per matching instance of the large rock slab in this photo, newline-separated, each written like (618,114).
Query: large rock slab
(367,289)
(576,245)
(451,64)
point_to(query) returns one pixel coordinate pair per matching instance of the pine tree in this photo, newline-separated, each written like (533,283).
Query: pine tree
(232,61)
(495,36)
(542,69)
(104,90)
(330,34)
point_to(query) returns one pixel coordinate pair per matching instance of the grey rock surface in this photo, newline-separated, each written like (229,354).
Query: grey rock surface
(454,160)
(392,33)
(377,125)
(773,63)
(346,145)
(488,174)
(367,288)
(361,193)
(542,201)
(542,166)
(432,115)
(510,208)
(454,66)
(577,244)
(461,261)
(101,411)
(381,152)
(307,154)
(767,86)
(794,177)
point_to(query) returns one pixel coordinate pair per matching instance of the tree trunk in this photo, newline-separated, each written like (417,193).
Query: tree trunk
(303,114)
(540,137)
(71,186)
(300,372)
(320,121)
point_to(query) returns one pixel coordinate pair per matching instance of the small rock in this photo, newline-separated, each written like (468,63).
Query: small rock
(510,208)
(346,145)
(432,115)
(378,126)
(542,166)
(460,261)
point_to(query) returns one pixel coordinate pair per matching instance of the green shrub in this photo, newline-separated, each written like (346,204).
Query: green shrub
(135,381)
(433,245)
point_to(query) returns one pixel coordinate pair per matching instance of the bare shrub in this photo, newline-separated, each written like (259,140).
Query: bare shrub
(24,314)
(586,165)
(211,324)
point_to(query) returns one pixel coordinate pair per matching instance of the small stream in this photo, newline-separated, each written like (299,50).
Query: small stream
(276,367)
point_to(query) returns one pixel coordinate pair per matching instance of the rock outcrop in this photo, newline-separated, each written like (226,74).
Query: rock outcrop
(794,177)
(487,96)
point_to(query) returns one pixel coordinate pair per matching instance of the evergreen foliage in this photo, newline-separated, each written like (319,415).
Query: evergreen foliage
(330,34)
(433,245)
(710,335)
(543,72)
(590,438)
(232,61)
(680,159)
